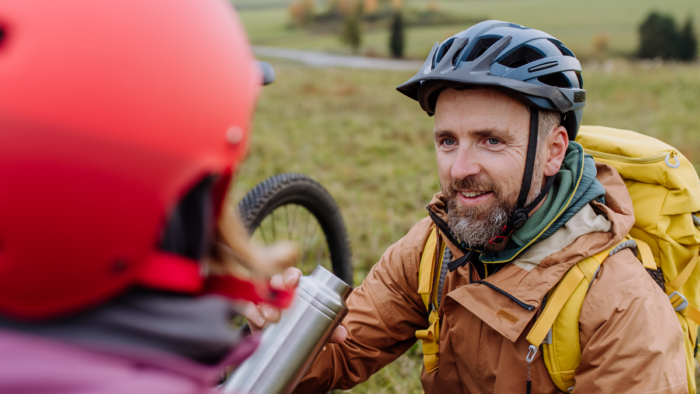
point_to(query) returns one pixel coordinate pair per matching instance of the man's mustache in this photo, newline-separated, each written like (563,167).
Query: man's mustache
(473,183)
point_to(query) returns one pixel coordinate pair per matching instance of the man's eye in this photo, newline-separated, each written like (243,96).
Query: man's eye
(449,141)
(493,141)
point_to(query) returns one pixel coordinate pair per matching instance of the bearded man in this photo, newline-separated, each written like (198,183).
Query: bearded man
(520,204)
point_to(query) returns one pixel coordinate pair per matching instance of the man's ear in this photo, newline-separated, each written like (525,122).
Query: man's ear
(557,142)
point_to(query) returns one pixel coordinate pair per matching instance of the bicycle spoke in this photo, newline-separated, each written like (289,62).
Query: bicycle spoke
(319,252)
(324,257)
(323,260)
(314,252)
(282,190)
(274,235)
(312,245)
(294,218)
(286,215)
(303,240)
(306,235)
(262,232)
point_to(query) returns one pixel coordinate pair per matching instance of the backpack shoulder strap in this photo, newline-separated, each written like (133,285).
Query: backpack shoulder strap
(430,265)
(679,302)
(428,276)
(425,270)
(557,330)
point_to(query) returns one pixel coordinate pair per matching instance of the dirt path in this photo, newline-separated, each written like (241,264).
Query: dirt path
(320,59)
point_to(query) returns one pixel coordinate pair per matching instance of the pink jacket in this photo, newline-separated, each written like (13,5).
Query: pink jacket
(37,365)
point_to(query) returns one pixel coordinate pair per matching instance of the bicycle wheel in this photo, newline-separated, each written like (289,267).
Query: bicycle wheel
(294,207)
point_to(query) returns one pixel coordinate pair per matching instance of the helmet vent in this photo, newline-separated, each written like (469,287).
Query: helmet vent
(456,56)
(445,49)
(580,80)
(557,79)
(521,56)
(562,48)
(480,47)
(543,66)
(442,50)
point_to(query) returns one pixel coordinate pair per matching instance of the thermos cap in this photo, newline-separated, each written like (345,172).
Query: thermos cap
(325,288)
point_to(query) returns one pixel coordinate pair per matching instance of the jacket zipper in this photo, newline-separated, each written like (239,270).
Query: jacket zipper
(517,301)
(633,160)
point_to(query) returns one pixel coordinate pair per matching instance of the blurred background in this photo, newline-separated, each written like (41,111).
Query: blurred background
(372,148)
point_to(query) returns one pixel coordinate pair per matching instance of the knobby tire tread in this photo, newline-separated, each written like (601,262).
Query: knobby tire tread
(292,188)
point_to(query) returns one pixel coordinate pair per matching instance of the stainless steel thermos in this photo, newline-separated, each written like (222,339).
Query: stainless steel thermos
(288,348)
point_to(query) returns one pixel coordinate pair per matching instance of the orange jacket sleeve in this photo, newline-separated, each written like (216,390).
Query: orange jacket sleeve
(384,314)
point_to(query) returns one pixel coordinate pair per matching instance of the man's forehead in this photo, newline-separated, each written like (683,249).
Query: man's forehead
(452,96)
(481,111)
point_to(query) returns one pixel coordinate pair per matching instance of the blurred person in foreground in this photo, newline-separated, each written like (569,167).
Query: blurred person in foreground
(520,204)
(121,125)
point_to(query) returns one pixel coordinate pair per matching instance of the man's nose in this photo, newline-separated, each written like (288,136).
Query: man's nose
(466,164)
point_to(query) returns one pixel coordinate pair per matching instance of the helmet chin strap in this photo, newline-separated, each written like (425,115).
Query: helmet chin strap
(521,213)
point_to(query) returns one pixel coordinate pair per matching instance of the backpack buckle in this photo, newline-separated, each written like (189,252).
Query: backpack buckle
(680,303)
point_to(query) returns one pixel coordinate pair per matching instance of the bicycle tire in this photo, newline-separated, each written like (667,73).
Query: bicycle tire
(292,188)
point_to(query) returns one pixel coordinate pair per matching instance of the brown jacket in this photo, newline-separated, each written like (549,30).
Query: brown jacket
(630,338)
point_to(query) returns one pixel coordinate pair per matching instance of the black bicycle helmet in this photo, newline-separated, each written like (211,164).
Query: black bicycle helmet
(536,67)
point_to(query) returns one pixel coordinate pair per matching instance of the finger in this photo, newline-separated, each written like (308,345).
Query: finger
(271,314)
(277,282)
(291,277)
(339,335)
(256,320)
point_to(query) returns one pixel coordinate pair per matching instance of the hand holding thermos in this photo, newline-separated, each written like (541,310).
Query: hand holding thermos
(289,347)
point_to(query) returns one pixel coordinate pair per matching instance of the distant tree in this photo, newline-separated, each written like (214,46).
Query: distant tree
(432,6)
(657,37)
(397,35)
(687,44)
(301,12)
(370,7)
(601,44)
(351,33)
(347,7)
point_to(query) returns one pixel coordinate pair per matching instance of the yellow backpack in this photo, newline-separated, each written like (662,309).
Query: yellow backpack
(665,192)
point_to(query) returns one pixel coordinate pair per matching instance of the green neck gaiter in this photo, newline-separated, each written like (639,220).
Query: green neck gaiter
(575,186)
(556,198)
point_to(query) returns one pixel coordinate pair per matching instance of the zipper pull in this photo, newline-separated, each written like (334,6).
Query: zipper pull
(531,352)
(672,155)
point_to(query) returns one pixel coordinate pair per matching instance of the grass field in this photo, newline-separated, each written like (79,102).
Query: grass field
(577,23)
(372,148)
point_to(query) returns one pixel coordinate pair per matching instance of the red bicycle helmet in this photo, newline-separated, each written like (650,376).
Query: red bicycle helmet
(114,117)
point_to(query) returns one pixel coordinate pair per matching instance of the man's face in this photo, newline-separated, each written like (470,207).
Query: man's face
(481,138)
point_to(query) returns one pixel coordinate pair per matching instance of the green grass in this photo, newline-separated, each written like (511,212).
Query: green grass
(372,148)
(574,22)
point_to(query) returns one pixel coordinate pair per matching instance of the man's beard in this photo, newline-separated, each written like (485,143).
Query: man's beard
(477,225)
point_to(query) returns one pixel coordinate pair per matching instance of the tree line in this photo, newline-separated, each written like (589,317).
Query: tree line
(351,34)
(661,37)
